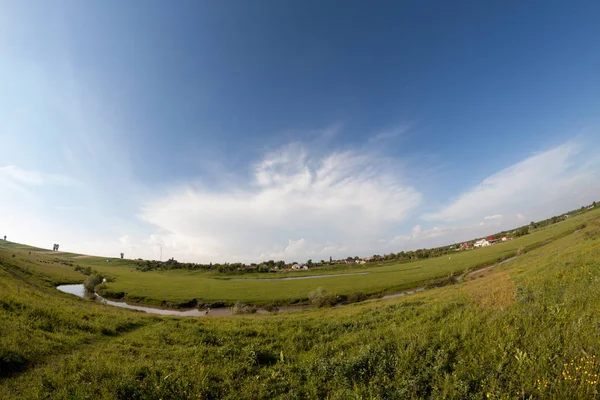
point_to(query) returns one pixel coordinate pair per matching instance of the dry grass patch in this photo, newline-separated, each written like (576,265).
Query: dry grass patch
(492,290)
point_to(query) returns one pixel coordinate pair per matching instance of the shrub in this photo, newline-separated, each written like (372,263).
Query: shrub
(271,308)
(91,282)
(356,297)
(241,308)
(321,298)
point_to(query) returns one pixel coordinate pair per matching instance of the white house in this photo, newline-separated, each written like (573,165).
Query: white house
(481,243)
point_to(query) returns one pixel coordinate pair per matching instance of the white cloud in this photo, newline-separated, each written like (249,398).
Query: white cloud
(450,234)
(542,184)
(416,230)
(496,216)
(420,237)
(294,206)
(14,174)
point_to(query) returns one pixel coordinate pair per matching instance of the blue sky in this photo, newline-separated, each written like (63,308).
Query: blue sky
(275,129)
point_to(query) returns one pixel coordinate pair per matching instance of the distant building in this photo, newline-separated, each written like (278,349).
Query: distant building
(350,260)
(300,267)
(464,246)
(481,243)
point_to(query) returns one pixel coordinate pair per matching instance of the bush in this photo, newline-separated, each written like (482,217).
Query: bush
(241,308)
(356,297)
(271,308)
(321,298)
(91,282)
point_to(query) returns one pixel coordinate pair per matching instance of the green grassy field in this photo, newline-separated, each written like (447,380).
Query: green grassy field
(526,329)
(179,287)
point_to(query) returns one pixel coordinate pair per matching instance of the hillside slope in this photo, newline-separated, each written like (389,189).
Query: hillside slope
(526,329)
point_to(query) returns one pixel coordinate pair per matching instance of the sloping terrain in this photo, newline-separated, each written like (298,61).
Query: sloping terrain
(529,328)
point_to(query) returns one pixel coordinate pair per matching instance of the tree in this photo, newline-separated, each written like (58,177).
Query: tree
(524,230)
(309,263)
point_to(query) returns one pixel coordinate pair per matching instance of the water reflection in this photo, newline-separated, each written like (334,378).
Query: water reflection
(78,290)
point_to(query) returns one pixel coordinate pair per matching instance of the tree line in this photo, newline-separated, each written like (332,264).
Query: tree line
(274,266)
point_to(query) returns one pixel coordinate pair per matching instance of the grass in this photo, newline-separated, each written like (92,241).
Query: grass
(178,288)
(525,329)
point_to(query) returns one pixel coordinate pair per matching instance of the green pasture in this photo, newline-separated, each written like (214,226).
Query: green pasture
(181,286)
(527,329)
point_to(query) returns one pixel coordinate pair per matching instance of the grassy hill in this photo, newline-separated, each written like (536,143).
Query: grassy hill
(529,328)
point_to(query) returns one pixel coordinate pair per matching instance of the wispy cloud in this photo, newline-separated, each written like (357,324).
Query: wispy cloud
(559,177)
(391,133)
(18,175)
(489,217)
(295,205)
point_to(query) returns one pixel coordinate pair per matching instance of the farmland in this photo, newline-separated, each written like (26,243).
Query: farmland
(524,329)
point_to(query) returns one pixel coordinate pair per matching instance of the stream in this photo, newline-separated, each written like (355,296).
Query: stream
(78,290)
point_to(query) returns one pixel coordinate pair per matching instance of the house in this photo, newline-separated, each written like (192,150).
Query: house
(305,267)
(481,243)
(350,260)
(505,238)
(464,246)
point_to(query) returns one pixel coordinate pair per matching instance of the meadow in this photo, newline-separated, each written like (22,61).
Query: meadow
(181,288)
(526,329)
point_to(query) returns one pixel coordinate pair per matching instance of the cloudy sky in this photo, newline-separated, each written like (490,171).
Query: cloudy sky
(245,131)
